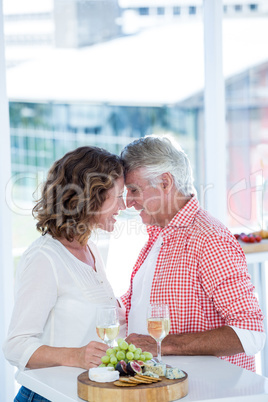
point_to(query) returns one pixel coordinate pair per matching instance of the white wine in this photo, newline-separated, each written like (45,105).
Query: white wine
(108,333)
(158,328)
(158,324)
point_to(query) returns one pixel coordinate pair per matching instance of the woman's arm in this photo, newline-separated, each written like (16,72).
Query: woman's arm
(35,297)
(85,357)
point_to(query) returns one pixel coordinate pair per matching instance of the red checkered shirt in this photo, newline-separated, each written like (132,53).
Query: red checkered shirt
(201,273)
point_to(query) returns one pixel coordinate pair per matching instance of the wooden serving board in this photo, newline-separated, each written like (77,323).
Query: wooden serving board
(162,391)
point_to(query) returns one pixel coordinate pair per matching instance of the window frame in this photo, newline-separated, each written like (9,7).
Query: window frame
(6,261)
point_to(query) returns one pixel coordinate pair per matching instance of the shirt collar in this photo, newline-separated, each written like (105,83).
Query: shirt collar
(184,217)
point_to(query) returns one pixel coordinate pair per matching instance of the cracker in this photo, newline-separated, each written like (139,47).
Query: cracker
(143,380)
(125,384)
(132,379)
(139,380)
(124,379)
(145,377)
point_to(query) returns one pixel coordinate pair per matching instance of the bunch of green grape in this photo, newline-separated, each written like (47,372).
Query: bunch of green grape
(124,351)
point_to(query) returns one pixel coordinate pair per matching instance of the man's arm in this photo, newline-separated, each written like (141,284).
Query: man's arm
(216,342)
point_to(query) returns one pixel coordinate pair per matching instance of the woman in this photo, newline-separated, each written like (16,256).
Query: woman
(61,280)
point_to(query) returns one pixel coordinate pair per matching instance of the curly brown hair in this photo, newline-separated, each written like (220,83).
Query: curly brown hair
(74,192)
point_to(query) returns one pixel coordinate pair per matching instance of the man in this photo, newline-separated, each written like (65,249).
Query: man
(191,262)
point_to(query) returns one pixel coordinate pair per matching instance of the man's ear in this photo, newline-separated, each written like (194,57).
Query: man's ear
(167,182)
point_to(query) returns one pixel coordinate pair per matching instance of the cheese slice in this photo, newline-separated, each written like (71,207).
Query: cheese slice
(150,374)
(157,368)
(173,373)
(103,374)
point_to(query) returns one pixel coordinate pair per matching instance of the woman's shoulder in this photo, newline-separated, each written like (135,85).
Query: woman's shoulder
(43,248)
(37,257)
(40,244)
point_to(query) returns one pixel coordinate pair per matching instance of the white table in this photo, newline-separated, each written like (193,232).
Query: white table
(210,379)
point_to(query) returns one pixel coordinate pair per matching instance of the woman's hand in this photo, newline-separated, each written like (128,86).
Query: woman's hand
(90,355)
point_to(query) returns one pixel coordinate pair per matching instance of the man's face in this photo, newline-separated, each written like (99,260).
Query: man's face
(145,198)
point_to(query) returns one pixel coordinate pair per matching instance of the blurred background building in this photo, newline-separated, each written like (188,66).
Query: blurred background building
(139,14)
(33,26)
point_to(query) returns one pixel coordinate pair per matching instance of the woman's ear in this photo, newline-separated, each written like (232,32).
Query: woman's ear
(167,182)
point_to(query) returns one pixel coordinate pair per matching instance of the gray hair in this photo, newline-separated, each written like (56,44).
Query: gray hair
(158,155)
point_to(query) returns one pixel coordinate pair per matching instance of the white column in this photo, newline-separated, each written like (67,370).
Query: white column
(6,263)
(215,196)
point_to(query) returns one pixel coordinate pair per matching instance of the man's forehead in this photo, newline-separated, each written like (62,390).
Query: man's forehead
(136,177)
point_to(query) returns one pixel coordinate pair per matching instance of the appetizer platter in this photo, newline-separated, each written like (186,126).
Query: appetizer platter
(129,374)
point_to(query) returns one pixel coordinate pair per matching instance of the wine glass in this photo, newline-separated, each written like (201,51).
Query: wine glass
(158,324)
(107,324)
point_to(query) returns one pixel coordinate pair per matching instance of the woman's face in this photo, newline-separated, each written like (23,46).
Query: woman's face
(112,205)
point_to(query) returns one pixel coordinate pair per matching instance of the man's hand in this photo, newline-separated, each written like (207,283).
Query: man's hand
(145,342)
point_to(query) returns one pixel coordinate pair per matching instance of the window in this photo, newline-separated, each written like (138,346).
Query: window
(144,10)
(41,125)
(246,108)
(253,7)
(176,10)
(160,10)
(192,10)
(238,7)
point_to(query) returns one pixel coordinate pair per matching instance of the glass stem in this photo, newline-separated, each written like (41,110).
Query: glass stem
(159,351)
